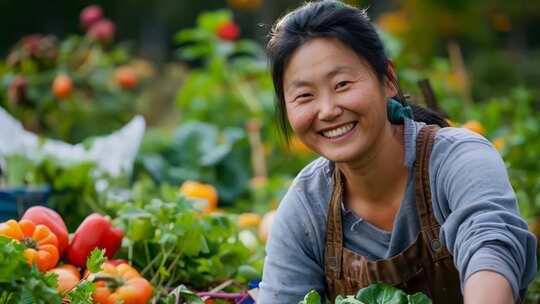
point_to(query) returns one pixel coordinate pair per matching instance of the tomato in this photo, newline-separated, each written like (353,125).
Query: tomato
(68,277)
(228,31)
(62,86)
(126,77)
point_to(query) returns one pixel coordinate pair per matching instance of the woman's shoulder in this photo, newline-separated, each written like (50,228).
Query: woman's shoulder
(312,187)
(447,140)
(461,145)
(318,168)
(316,177)
(452,135)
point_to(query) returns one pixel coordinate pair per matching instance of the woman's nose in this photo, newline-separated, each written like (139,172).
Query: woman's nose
(328,109)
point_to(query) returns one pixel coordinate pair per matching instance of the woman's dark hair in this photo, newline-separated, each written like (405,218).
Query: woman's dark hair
(332,19)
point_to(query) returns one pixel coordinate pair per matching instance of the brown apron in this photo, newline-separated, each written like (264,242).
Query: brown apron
(425,266)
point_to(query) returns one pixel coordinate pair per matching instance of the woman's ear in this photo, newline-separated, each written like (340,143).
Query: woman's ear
(390,81)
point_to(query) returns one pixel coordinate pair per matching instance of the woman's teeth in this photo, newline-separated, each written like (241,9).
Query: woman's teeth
(338,131)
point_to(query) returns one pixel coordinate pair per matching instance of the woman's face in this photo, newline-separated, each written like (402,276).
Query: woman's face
(335,103)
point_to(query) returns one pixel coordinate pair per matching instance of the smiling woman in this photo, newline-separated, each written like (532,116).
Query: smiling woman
(336,107)
(397,196)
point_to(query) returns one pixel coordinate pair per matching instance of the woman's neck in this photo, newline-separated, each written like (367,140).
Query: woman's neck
(379,178)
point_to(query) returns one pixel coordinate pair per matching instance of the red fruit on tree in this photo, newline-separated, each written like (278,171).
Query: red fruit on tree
(62,86)
(228,31)
(102,31)
(126,77)
(90,15)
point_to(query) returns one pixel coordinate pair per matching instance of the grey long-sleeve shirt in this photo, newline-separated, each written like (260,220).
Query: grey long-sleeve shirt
(472,200)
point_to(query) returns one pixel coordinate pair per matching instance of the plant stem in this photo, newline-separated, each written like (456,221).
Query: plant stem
(130,252)
(163,260)
(169,269)
(147,253)
(149,266)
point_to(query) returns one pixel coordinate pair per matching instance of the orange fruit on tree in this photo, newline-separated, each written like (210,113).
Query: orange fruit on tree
(475,126)
(62,86)
(126,77)
(196,190)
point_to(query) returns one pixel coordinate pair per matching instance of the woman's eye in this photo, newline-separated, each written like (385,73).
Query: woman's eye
(302,96)
(342,84)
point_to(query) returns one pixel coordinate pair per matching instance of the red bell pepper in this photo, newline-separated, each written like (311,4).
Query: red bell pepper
(95,231)
(50,218)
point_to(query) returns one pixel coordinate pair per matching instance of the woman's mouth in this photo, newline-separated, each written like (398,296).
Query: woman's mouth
(339,131)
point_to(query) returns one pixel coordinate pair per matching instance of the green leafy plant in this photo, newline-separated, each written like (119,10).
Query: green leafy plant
(82,293)
(230,86)
(184,246)
(233,78)
(202,152)
(373,294)
(20,283)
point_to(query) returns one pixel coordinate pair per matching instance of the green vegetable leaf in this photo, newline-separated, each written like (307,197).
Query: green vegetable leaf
(38,287)
(347,300)
(312,297)
(96,260)
(418,298)
(82,294)
(12,260)
(183,293)
(381,294)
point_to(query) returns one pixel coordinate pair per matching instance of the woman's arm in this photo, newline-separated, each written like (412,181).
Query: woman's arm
(481,227)
(487,287)
(291,268)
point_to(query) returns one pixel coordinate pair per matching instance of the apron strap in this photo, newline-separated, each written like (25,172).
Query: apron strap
(334,230)
(430,228)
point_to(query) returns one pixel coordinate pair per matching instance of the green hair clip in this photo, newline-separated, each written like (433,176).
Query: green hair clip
(339,4)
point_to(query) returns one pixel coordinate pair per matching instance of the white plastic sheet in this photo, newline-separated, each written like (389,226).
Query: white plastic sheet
(113,153)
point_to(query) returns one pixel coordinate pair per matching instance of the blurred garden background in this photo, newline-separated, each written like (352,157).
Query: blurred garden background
(79,71)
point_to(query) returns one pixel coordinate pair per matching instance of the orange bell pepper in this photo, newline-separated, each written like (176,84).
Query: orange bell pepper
(121,282)
(205,192)
(68,277)
(41,244)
